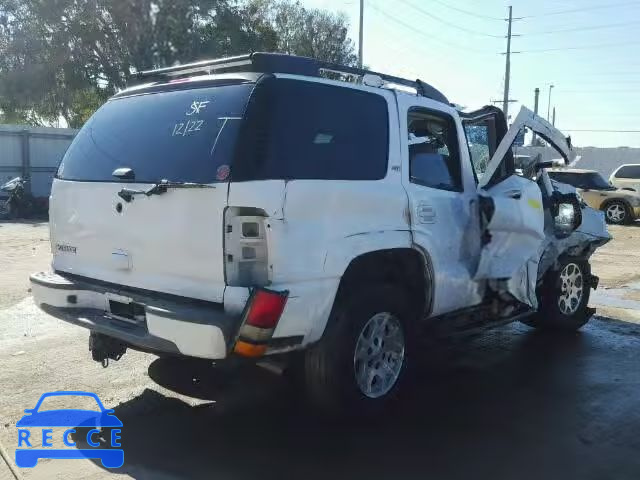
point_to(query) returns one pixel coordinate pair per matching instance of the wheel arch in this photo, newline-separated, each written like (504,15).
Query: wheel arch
(406,266)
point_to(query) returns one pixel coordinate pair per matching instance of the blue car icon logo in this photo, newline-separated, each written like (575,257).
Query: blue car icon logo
(35,426)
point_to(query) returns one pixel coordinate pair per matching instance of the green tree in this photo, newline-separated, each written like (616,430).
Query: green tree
(63,58)
(308,32)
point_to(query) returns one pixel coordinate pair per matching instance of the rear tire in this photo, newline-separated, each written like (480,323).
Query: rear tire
(563,297)
(351,369)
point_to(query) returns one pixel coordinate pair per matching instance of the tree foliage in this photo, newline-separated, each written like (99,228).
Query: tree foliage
(63,58)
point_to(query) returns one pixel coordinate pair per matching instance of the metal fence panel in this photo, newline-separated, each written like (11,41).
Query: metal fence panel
(33,152)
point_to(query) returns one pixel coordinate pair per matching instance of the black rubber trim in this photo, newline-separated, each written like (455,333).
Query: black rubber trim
(166,306)
(86,283)
(97,321)
(285,342)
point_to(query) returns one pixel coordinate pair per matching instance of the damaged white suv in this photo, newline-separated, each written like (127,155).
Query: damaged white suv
(252,207)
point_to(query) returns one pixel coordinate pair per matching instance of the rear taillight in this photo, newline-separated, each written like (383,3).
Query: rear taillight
(259,320)
(245,248)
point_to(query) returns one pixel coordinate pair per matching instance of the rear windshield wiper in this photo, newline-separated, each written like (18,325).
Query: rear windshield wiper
(159,188)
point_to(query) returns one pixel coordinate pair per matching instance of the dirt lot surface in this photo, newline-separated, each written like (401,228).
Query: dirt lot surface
(510,404)
(24,249)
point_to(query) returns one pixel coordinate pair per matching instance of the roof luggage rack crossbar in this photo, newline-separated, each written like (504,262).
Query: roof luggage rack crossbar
(281,63)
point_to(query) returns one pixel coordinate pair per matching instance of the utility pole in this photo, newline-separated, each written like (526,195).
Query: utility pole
(553,122)
(361,33)
(507,72)
(549,104)
(536,99)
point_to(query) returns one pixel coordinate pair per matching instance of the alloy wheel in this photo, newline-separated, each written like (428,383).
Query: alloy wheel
(572,289)
(379,355)
(616,213)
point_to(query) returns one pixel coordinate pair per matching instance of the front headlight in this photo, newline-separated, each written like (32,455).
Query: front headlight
(565,218)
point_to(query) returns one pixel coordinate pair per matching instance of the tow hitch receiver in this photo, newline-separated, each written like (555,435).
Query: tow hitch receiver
(103,348)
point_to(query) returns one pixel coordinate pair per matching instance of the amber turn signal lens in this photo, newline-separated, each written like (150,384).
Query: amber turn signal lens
(249,349)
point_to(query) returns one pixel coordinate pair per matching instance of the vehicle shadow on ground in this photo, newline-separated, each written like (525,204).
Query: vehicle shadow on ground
(504,405)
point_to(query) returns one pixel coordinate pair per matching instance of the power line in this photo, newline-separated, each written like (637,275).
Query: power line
(467,12)
(579,29)
(585,9)
(601,82)
(598,74)
(598,130)
(579,47)
(637,90)
(423,33)
(450,24)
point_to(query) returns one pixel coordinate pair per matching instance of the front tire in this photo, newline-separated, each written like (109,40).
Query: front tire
(360,362)
(564,296)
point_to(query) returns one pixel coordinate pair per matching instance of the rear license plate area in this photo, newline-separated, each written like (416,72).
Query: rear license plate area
(129,312)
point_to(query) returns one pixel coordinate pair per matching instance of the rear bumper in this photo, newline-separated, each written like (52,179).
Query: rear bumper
(180,325)
(636,213)
(171,325)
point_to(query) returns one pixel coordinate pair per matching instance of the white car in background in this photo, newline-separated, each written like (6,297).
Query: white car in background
(627,177)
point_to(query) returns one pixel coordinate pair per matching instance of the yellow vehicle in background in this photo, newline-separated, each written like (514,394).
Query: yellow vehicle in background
(619,206)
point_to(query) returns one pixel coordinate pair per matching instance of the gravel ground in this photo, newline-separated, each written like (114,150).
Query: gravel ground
(510,404)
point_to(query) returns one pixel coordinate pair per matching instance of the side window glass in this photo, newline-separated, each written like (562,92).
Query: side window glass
(622,173)
(434,159)
(478,143)
(631,171)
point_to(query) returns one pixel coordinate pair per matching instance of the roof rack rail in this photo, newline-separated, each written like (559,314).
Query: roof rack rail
(282,63)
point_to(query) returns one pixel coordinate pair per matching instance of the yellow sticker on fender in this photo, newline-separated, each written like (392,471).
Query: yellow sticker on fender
(534,204)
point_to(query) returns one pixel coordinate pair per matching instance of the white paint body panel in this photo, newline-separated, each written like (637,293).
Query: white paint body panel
(444,224)
(317,227)
(517,226)
(170,243)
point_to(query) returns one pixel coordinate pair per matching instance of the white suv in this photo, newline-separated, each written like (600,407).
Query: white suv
(252,207)
(626,177)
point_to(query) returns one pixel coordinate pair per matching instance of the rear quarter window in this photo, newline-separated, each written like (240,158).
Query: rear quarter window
(305,130)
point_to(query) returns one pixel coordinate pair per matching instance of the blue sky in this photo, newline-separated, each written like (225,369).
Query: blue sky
(594,63)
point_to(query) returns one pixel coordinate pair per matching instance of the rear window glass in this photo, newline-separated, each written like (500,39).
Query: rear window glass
(305,130)
(180,136)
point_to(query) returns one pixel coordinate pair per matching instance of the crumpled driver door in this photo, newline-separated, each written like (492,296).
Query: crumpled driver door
(513,215)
